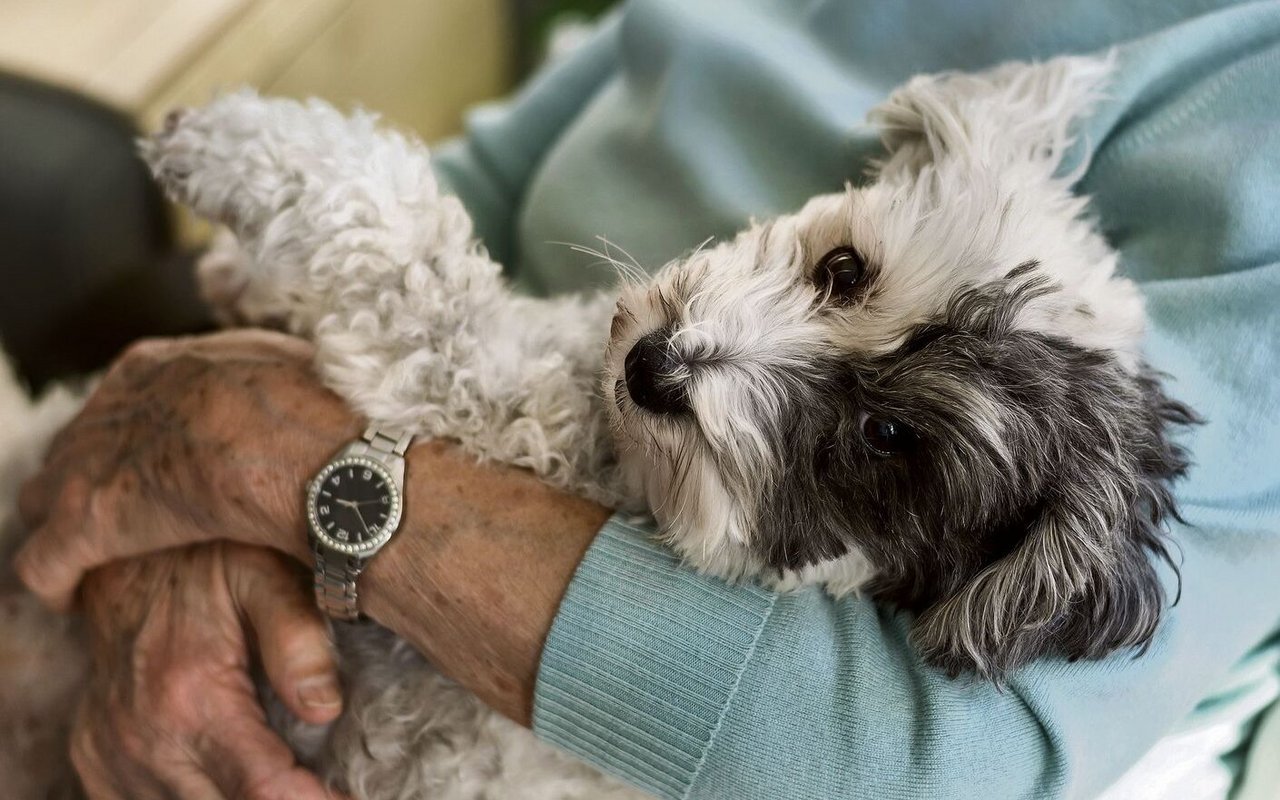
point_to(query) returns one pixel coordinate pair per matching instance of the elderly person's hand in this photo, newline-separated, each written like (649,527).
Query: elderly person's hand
(184,440)
(171,710)
(194,440)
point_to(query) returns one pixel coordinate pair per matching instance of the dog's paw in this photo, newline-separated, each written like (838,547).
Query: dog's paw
(169,171)
(244,159)
(173,119)
(230,161)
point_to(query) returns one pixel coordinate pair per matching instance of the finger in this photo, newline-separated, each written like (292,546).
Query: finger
(165,770)
(189,783)
(291,783)
(34,500)
(64,462)
(117,777)
(246,760)
(96,781)
(65,455)
(55,557)
(292,637)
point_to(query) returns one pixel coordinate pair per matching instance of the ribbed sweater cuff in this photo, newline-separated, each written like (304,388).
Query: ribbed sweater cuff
(643,660)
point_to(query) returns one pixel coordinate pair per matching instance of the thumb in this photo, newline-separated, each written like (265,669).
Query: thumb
(291,635)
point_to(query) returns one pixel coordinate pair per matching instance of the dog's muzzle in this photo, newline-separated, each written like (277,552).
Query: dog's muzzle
(655,375)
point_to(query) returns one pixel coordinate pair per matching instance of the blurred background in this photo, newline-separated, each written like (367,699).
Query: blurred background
(91,256)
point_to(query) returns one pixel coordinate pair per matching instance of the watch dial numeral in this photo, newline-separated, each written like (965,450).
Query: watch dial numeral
(354,502)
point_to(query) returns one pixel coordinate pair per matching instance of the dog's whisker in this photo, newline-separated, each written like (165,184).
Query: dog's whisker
(626,273)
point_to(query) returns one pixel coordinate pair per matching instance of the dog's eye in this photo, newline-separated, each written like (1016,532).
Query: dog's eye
(842,273)
(886,437)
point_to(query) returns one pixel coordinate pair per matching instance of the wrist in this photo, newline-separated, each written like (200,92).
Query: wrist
(329,426)
(475,575)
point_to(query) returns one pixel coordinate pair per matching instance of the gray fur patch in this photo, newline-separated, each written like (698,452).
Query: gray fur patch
(1022,519)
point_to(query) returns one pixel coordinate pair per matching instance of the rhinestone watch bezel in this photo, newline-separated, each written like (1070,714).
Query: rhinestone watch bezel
(388,528)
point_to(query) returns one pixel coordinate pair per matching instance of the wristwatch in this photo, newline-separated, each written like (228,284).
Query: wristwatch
(354,504)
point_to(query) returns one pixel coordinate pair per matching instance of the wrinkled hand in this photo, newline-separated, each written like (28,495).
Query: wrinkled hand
(170,710)
(184,440)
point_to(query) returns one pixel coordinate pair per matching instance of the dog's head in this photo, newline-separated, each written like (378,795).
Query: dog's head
(933,382)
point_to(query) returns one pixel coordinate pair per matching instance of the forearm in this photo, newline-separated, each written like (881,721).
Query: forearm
(476,574)
(478,568)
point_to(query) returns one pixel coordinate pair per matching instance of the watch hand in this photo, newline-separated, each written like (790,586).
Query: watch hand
(360,516)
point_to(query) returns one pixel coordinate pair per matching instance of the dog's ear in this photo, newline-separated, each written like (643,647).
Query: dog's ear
(1014,113)
(1080,579)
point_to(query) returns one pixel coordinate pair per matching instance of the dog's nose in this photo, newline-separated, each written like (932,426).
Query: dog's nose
(653,375)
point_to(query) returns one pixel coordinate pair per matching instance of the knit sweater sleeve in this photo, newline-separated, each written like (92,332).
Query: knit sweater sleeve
(688,687)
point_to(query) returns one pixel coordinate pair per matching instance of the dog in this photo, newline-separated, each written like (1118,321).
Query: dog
(927,388)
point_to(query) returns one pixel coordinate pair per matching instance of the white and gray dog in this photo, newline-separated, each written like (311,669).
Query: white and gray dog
(928,388)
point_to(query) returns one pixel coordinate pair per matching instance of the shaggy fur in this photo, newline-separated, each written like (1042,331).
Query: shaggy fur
(929,388)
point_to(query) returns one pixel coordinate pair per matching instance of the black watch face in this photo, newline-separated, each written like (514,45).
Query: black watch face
(354,504)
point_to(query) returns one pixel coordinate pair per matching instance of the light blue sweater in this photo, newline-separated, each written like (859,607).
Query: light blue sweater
(683,118)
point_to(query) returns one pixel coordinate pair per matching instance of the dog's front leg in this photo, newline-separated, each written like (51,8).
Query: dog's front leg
(346,234)
(344,224)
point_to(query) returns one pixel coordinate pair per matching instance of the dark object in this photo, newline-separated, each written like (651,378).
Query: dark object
(87,260)
(534,19)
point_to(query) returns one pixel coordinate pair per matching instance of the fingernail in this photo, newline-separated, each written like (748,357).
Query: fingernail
(320,692)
